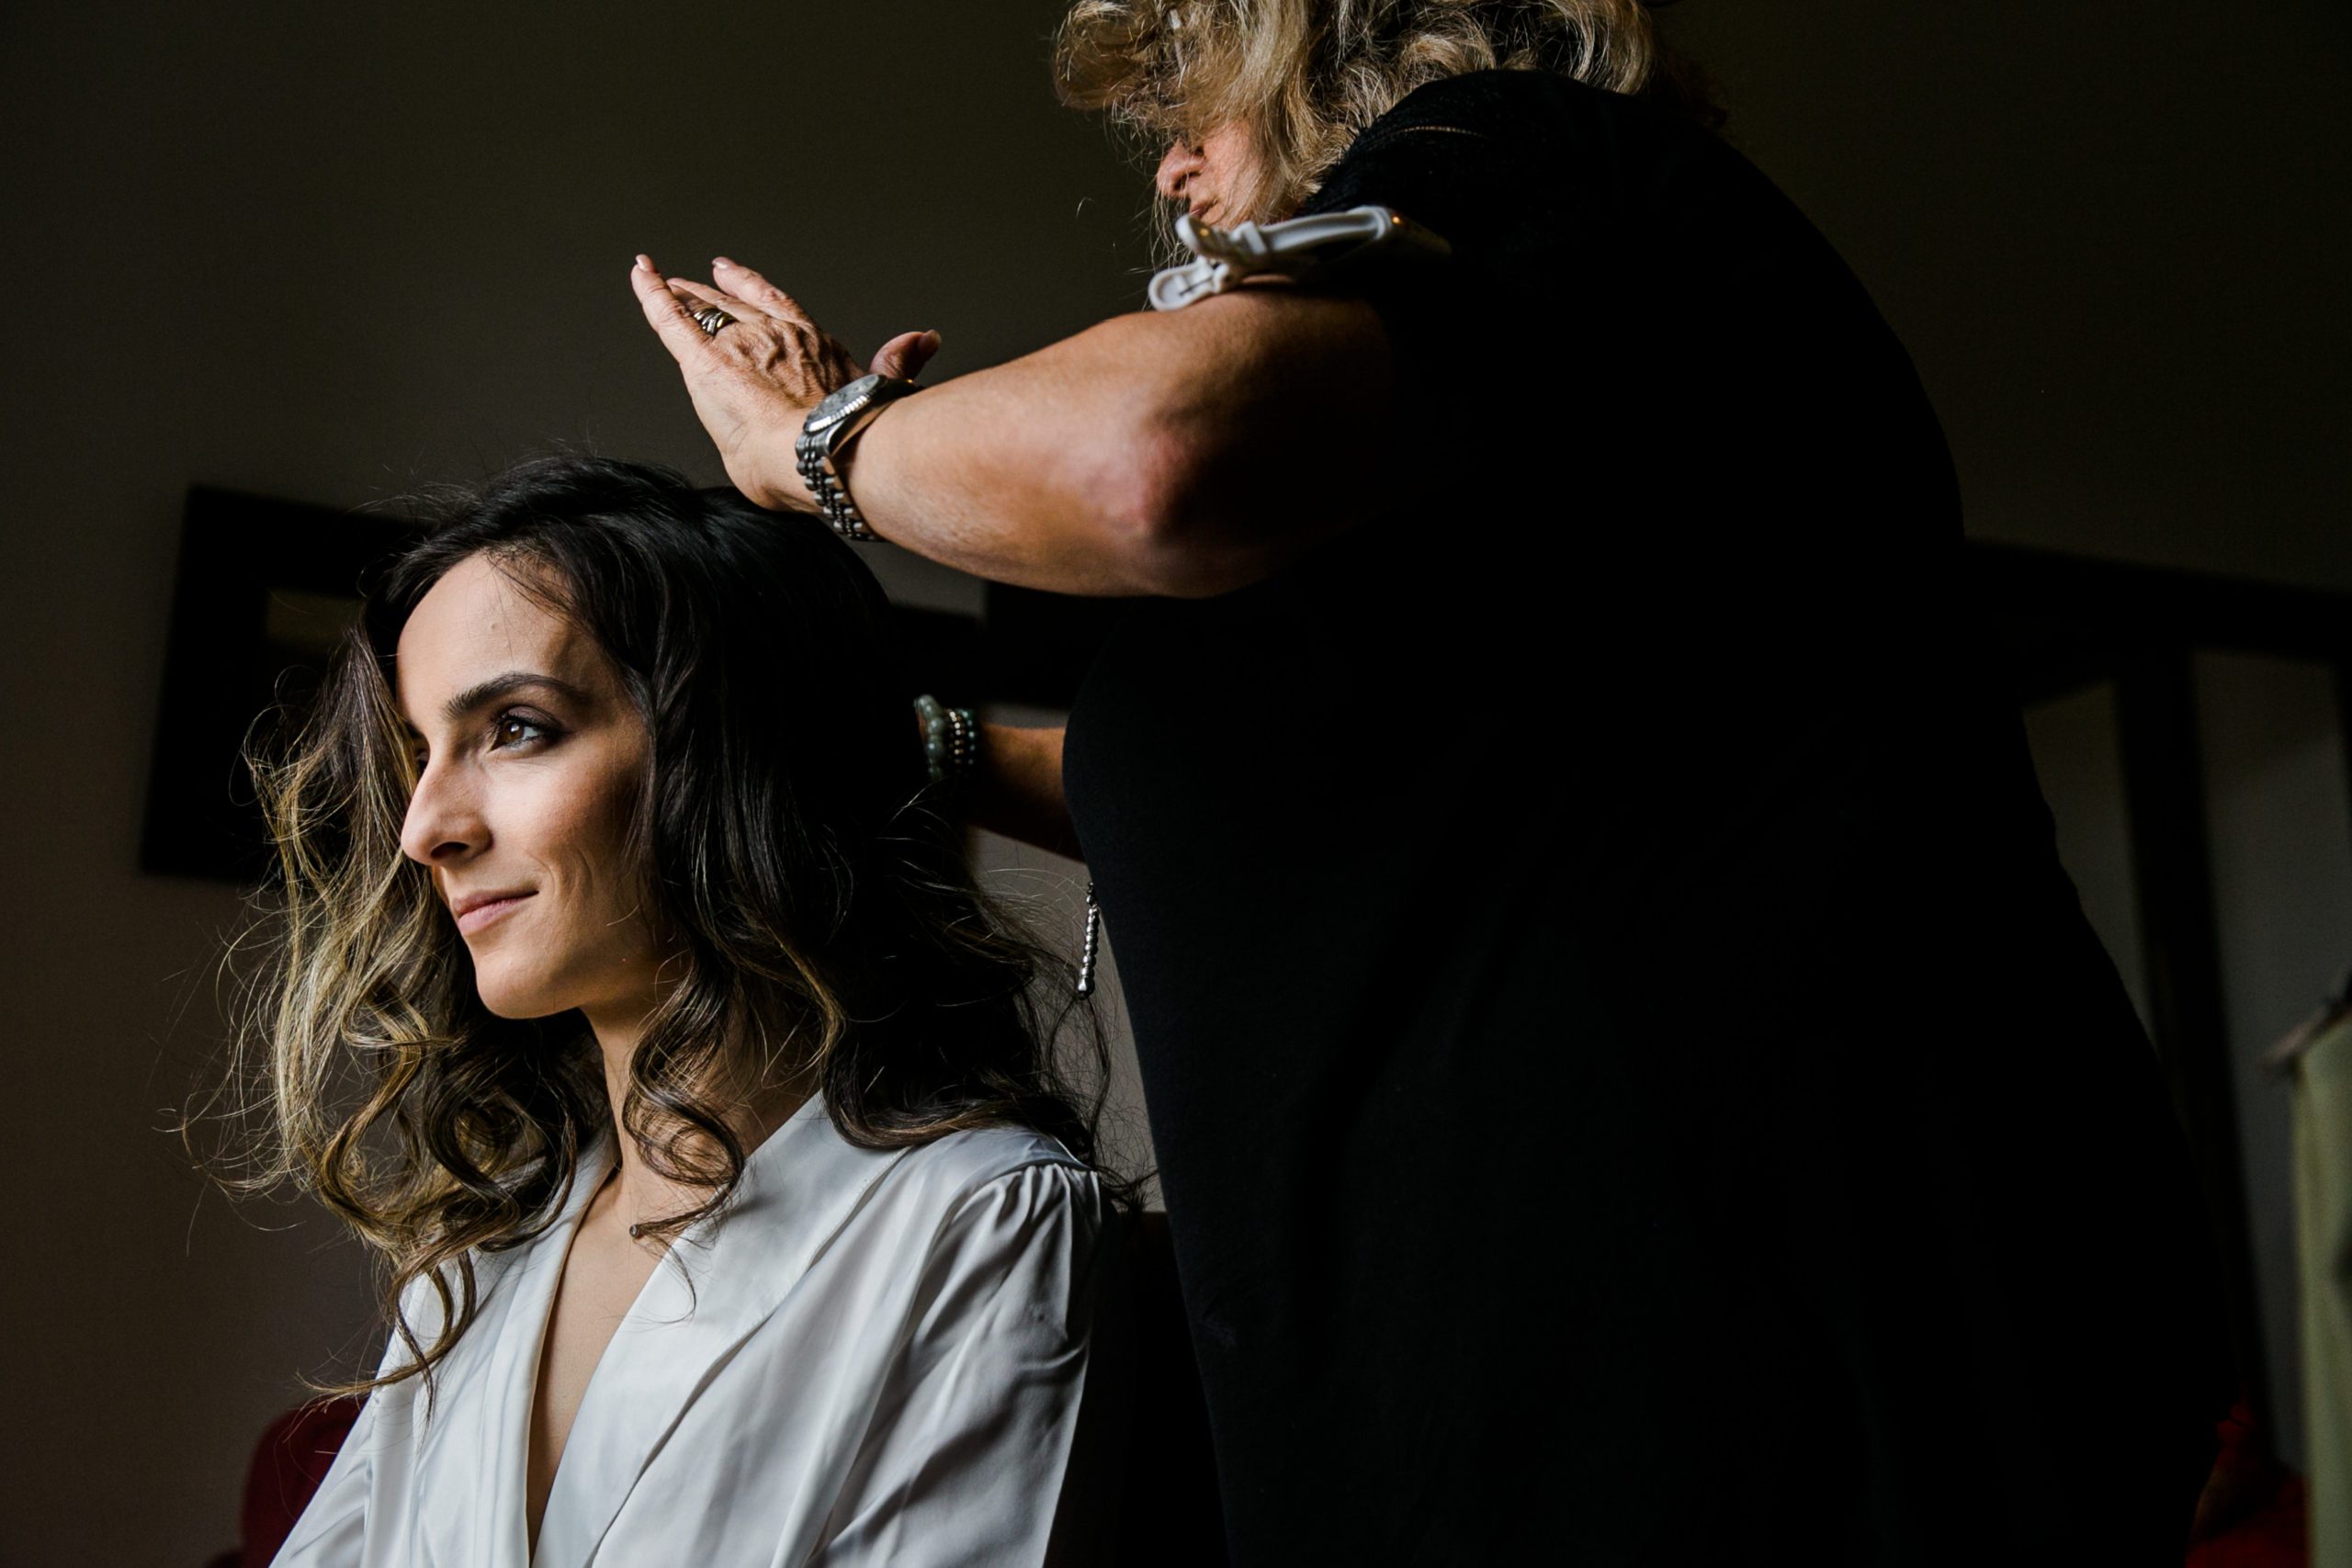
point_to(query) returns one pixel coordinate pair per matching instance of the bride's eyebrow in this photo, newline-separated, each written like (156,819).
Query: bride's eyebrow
(481,694)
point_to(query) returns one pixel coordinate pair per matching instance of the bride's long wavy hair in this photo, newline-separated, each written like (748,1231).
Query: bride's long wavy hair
(814,904)
(1306,76)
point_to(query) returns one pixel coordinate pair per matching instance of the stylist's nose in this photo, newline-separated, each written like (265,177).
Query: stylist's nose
(1181,162)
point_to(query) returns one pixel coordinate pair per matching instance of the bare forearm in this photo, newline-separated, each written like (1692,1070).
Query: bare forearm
(1018,789)
(1024,473)
(1151,454)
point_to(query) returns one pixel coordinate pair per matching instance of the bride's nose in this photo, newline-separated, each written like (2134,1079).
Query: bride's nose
(443,821)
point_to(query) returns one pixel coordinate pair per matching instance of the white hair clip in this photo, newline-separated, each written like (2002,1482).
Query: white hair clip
(1296,248)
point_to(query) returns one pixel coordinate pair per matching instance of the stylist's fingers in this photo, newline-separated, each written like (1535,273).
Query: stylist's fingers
(737,278)
(696,295)
(671,321)
(797,358)
(906,355)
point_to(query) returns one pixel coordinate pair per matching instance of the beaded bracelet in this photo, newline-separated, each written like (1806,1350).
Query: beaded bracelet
(951,740)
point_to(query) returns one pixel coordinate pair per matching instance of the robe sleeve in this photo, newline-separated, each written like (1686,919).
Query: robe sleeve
(332,1529)
(966,1454)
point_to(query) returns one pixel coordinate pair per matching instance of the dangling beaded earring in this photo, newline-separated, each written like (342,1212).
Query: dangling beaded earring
(1089,943)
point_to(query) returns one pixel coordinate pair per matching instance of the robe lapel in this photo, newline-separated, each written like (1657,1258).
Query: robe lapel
(474,1453)
(723,1278)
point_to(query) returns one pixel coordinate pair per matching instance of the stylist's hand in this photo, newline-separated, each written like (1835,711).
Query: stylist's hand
(756,381)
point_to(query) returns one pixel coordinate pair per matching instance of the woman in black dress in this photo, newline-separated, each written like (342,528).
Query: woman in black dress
(1631,1078)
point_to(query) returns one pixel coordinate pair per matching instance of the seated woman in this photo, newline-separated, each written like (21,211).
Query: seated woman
(634,1006)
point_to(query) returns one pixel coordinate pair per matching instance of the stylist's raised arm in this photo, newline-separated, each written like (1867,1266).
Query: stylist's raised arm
(1173,454)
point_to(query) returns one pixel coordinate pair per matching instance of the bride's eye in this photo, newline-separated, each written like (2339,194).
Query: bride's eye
(511,730)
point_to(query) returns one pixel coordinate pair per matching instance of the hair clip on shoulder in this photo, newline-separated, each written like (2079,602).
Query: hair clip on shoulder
(1300,249)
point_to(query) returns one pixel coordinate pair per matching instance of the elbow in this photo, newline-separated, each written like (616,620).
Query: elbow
(1179,526)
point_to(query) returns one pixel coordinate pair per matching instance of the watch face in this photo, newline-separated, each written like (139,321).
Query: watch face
(840,401)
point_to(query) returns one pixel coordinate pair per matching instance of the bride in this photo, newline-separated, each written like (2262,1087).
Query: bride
(631,1000)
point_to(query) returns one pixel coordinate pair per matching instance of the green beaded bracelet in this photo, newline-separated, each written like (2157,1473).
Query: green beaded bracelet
(951,740)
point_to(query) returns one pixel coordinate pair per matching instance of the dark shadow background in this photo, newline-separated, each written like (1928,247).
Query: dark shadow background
(330,254)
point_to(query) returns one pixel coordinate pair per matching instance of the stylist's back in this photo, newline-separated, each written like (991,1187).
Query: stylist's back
(1632,1081)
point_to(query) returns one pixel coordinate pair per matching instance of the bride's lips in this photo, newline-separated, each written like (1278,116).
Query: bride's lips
(473,913)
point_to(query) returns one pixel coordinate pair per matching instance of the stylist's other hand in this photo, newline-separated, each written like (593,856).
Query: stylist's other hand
(755,381)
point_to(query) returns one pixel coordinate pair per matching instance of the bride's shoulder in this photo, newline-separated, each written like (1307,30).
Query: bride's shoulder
(971,1156)
(1010,1166)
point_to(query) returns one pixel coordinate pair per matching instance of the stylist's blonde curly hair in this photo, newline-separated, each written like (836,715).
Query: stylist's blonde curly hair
(1304,76)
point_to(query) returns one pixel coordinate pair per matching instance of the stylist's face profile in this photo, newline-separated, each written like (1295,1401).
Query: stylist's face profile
(531,757)
(1213,178)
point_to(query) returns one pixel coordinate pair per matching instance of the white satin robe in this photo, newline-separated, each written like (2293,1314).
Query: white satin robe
(880,1360)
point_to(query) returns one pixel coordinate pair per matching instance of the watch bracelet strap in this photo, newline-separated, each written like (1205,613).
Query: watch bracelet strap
(827,486)
(832,499)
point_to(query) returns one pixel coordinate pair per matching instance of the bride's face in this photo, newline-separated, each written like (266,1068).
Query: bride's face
(532,756)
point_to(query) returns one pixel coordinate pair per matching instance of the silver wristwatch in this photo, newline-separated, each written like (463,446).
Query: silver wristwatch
(829,427)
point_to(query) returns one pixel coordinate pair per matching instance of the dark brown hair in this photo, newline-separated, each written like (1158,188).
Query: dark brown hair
(813,900)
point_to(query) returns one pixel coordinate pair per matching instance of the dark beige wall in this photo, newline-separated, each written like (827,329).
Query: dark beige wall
(331,253)
(2111,235)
